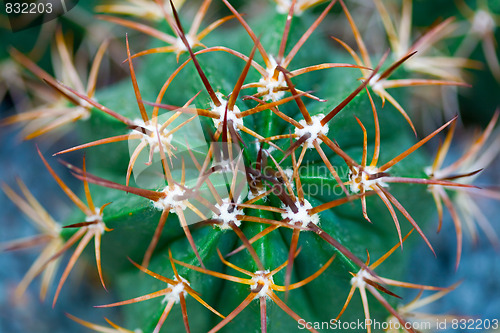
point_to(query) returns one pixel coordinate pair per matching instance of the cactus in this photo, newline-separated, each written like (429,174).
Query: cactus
(248,178)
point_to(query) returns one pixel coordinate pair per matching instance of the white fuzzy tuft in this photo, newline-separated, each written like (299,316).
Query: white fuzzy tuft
(180,46)
(96,217)
(376,83)
(360,179)
(152,140)
(314,129)
(260,278)
(302,216)
(483,23)
(170,200)
(226,215)
(359,279)
(176,291)
(221,109)
(283,7)
(268,83)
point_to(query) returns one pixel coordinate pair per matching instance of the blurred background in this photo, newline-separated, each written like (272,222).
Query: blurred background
(477,296)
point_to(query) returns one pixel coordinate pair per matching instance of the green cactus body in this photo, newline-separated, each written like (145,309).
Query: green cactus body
(134,219)
(134,216)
